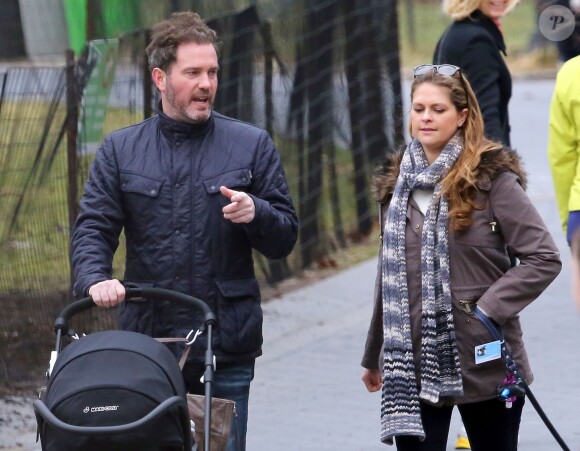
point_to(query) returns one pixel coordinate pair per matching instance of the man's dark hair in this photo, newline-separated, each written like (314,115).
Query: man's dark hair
(180,28)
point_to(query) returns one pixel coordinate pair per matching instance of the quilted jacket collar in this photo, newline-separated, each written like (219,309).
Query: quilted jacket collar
(178,129)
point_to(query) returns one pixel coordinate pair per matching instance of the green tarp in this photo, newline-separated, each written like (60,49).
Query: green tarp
(108,19)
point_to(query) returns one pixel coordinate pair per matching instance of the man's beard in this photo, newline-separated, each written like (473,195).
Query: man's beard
(181,108)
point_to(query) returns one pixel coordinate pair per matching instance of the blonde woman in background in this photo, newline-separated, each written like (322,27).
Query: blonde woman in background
(474,42)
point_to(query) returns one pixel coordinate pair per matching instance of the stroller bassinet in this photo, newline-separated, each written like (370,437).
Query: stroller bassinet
(118,390)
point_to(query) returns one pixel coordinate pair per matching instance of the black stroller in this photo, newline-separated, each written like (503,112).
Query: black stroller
(120,390)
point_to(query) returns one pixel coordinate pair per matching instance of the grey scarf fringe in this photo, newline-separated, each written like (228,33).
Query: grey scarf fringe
(440,371)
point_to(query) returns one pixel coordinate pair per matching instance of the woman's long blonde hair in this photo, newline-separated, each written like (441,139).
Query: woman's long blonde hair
(459,185)
(460,9)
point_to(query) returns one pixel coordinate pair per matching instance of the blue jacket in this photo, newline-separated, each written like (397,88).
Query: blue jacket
(159,181)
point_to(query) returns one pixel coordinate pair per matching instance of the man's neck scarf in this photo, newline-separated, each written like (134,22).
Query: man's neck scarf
(440,371)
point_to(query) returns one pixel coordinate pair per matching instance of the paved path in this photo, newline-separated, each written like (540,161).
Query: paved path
(307,394)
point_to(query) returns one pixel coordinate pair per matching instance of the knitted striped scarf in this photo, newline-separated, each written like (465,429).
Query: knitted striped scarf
(440,372)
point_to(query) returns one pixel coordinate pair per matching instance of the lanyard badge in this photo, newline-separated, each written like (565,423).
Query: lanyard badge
(487,352)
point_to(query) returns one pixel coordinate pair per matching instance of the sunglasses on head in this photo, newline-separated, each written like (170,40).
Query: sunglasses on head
(447,70)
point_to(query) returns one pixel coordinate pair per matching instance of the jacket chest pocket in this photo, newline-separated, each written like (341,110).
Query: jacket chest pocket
(140,193)
(139,184)
(483,232)
(238,179)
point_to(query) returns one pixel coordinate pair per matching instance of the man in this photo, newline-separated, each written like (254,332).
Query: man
(564,145)
(195,193)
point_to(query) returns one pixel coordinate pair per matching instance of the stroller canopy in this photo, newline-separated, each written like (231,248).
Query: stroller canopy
(115,378)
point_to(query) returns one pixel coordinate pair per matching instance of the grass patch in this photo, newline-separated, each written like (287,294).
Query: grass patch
(34,246)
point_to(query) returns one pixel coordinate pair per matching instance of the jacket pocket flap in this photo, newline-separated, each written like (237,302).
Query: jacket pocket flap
(472,293)
(232,179)
(134,183)
(237,288)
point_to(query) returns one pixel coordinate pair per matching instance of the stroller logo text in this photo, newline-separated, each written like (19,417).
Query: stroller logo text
(99,409)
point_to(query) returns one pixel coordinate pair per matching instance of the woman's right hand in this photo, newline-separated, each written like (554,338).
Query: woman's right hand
(372,379)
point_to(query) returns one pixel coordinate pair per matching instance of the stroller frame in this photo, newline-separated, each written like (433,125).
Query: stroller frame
(61,326)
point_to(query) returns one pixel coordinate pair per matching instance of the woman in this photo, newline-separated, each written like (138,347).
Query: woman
(453,204)
(475,43)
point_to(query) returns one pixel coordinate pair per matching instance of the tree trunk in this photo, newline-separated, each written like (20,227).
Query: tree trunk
(377,143)
(236,78)
(392,57)
(353,57)
(335,199)
(279,269)
(319,75)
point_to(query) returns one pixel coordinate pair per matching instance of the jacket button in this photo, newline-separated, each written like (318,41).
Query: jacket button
(177,232)
(153,191)
(417,226)
(177,185)
(244,179)
(212,187)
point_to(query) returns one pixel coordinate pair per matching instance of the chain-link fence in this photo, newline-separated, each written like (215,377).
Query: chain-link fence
(321,76)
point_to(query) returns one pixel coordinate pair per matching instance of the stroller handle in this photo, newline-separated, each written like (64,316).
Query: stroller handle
(133,292)
(42,410)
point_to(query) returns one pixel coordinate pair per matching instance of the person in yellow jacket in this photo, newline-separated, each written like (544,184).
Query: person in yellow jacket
(564,144)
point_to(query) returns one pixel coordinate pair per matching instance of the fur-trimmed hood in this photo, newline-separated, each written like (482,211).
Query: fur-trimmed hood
(493,163)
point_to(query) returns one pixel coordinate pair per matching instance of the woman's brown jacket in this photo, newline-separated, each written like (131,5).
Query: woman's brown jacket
(480,271)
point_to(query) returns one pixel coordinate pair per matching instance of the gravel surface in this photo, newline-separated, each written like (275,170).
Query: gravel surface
(17,423)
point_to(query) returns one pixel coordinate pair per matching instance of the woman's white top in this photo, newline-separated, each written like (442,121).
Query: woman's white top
(423,198)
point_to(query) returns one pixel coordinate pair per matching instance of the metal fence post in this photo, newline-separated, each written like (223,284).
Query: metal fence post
(147,82)
(72,116)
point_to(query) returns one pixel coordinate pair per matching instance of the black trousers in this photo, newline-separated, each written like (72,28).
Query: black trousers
(489,425)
